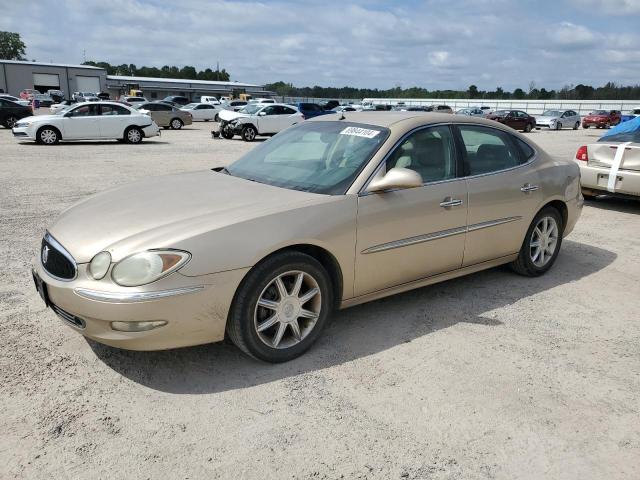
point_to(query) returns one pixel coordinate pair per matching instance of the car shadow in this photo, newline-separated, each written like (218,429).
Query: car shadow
(618,204)
(355,332)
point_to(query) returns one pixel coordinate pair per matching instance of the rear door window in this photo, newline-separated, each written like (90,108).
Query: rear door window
(487,150)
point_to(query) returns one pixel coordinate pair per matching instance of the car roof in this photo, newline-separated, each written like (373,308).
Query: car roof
(406,120)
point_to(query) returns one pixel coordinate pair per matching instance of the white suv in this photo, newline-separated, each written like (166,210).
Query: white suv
(88,121)
(258,119)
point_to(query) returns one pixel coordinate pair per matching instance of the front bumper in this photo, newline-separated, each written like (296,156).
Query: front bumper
(595,123)
(23,133)
(597,179)
(194,308)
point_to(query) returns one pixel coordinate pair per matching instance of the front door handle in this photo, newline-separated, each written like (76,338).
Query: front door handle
(450,202)
(527,187)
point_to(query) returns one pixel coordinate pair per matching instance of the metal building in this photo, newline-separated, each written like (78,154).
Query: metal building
(19,75)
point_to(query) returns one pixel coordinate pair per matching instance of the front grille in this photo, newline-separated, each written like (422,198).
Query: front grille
(56,260)
(68,317)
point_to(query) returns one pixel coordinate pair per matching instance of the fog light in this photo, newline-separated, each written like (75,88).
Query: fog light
(137,326)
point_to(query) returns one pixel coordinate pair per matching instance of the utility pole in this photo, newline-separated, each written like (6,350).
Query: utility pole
(84,56)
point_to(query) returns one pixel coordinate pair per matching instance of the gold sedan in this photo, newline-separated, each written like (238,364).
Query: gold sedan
(330,213)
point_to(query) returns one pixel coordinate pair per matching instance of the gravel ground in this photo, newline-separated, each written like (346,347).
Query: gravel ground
(488,376)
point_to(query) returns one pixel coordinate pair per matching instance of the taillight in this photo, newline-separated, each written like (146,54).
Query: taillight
(582,154)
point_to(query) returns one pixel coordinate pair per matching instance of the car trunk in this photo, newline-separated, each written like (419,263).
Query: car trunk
(603,154)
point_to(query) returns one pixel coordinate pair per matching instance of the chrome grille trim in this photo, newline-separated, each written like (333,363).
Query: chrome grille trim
(68,317)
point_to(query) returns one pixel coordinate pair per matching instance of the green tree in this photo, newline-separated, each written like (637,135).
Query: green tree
(11,46)
(518,93)
(473,91)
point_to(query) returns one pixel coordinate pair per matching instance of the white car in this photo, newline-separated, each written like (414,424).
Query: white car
(209,99)
(88,121)
(202,111)
(262,100)
(258,119)
(58,107)
(19,101)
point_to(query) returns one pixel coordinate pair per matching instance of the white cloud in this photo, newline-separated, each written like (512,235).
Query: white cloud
(610,7)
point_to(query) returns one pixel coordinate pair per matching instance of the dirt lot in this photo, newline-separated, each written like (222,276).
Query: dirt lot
(488,376)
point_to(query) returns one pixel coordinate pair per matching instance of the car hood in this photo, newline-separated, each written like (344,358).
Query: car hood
(228,115)
(161,212)
(546,118)
(40,118)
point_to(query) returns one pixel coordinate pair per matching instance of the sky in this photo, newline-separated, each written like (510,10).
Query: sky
(435,44)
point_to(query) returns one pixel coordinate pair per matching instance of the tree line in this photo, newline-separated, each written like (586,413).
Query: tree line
(166,71)
(610,91)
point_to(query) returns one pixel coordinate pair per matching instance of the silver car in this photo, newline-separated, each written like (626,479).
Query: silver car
(558,119)
(471,112)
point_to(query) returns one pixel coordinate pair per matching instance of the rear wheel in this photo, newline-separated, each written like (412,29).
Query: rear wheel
(281,307)
(528,128)
(558,126)
(133,135)
(48,136)
(541,244)
(576,126)
(10,121)
(176,124)
(249,133)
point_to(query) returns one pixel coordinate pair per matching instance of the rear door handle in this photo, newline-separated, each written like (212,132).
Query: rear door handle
(450,202)
(527,187)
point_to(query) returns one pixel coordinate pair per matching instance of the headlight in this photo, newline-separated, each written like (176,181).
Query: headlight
(146,267)
(22,124)
(100,265)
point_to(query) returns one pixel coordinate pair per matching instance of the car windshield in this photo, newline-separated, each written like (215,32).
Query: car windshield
(64,110)
(251,109)
(551,113)
(318,157)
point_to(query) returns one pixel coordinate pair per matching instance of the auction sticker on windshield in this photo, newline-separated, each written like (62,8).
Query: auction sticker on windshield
(360,132)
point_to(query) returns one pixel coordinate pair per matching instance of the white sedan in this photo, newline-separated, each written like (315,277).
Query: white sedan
(202,111)
(88,121)
(258,119)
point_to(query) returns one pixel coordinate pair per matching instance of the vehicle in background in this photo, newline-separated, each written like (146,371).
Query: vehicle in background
(258,119)
(471,112)
(84,97)
(19,101)
(329,104)
(11,112)
(57,95)
(344,108)
(177,100)
(209,99)
(601,119)
(262,100)
(63,105)
(202,111)
(310,110)
(516,119)
(611,166)
(88,121)
(132,100)
(233,105)
(44,100)
(27,93)
(630,115)
(104,96)
(165,115)
(439,109)
(558,119)
(486,110)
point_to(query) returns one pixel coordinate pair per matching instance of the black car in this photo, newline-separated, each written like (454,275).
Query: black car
(330,104)
(11,112)
(176,100)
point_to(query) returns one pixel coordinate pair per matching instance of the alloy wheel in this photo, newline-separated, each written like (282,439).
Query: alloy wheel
(544,241)
(11,121)
(48,136)
(176,124)
(287,309)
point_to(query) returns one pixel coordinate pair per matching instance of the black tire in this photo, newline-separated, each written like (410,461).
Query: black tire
(176,124)
(588,194)
(528,128)
(47,135)
(216,118)
(576,126)
(227,133)
(249,133)
(524,265)
(241,325)
(558,126)
(133,135)
(10,121)
(585,126)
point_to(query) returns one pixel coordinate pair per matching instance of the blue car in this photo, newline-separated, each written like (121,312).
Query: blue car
(310,110)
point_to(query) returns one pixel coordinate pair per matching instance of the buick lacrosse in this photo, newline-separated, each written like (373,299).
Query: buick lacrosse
(333,212)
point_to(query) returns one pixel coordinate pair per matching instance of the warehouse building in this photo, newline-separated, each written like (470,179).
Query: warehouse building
(158,88)
(16,76)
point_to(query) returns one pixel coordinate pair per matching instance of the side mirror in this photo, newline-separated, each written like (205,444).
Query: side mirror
(396,178)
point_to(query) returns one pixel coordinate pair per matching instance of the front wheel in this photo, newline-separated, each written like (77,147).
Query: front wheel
(541,244)
(528,128)
(176,124)
(133,135)
(585,126)
(576,126)
(558,126)
(249,133)
(47,136)
(227,132)
(281,307)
